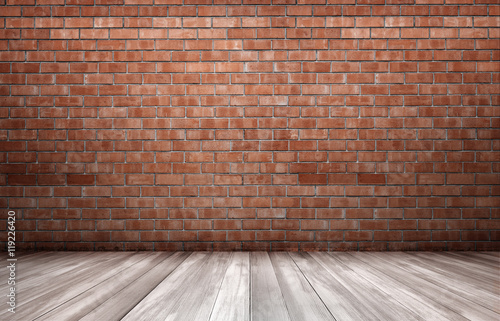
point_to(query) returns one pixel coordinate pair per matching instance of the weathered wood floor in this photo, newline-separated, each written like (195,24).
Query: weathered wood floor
(255,286)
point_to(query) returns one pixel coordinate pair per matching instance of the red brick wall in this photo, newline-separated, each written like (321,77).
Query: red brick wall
(246,125)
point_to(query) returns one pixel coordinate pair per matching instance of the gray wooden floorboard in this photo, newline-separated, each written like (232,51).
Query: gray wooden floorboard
(267,302)
(51,293)
(51,260)
(187,295)
(302,302)
(421,305)
(233,300)
(118,305)
(468,290)
(381,304)
(342,304)
(167,295)
(482,261)
(494,254)
(406,275)
(255,286)
(80,305)
(464,272)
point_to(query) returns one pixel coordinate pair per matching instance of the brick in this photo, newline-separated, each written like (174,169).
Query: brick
(309,112)
(211,11)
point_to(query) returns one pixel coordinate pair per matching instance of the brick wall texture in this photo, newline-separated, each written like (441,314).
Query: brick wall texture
(251,125)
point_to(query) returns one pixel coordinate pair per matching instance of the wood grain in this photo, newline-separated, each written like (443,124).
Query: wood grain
(44,296)
(464,288)
(79,306)
(118,305)
(342,304)
(466,272)
(243,286)
(405,295)
(405,274)
(233,300)
(267,301)
(383,305)
(188,294)
(302,301)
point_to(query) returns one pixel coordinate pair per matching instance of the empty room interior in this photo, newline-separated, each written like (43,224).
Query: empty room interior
(250,160)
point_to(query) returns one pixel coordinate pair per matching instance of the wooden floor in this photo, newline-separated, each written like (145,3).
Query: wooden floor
(255,286)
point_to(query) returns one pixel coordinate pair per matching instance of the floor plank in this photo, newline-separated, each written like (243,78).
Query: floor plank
(490,253)
(50,260)
(489,258)
(79,306)
(233,300)
(118,305)
(267,301)
(197,290)
(483,262)
(458,270)
(243,286)
(407,276)
(46,296)
(343,304)
(427,308)
(381,304)
(167,293)
(468,290)
(61,267)
(302,302)
(478,265)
